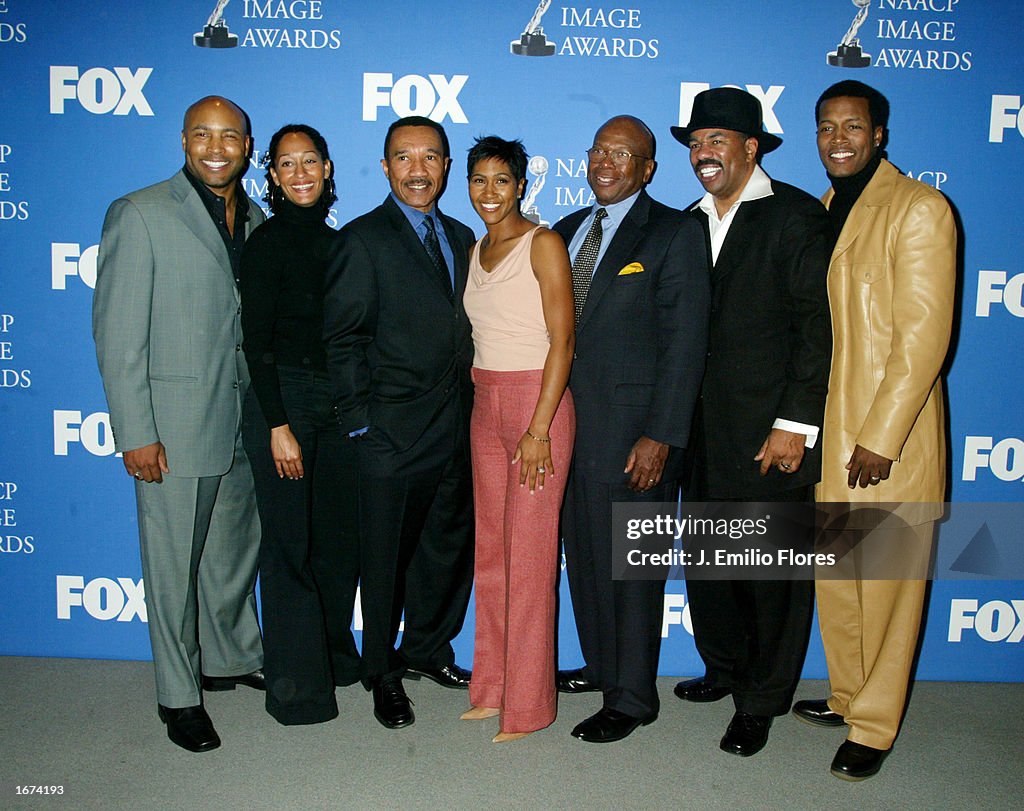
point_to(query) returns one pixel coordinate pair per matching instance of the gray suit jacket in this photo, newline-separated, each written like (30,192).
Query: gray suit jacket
(167,328)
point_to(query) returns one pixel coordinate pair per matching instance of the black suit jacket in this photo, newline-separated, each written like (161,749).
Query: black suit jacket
(641,338)
(399,346)
(770,339)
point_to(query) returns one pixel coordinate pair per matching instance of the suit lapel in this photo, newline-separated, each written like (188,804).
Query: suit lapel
(617,255)
(460,253)
(410,240)
(194,214)
(735,246)
(876,195)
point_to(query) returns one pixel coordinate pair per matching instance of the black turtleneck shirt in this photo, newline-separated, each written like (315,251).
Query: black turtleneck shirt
(283,268)
(847,190)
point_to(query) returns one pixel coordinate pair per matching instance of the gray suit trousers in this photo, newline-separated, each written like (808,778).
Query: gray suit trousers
(200,544)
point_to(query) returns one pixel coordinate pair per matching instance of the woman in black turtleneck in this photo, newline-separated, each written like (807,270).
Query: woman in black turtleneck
(303,465)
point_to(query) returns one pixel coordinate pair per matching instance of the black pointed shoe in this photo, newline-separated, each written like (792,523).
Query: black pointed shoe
(575,681)
(608,725)
(391,706)
(747,734)
(189,727)
(214,684)
(817,712)
(700,691)
(855,761)
(447,675)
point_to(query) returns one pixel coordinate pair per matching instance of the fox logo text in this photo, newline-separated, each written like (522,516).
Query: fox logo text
(995,621)
(68,259)
(675,612)
(99,91)
(93,432)
(434,96)
(995,288)
(123,599)
(1006,114)
(1005,458)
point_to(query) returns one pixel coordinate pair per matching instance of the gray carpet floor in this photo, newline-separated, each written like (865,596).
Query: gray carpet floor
(91,727)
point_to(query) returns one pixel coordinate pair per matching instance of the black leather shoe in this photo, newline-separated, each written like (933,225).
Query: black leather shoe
(189,727)
(608,725)
(700,691)
(447,676)
(816,712)
(214,684)
(747,734)
(575,681)
(855,761)
(391,706)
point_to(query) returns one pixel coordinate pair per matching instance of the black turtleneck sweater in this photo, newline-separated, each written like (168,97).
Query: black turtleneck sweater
(847,190)
(282,276)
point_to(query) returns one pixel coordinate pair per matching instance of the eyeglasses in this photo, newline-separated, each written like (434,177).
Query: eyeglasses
(619,157)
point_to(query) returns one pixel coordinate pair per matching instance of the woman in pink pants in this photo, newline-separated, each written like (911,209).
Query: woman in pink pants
(519,301)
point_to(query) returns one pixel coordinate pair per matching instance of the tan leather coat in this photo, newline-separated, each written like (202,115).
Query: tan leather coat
(890,286)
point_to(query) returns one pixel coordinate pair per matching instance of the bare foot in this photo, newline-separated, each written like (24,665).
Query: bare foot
(479,713)
(502,737)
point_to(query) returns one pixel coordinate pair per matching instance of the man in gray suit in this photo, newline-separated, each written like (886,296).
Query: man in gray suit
(168,340)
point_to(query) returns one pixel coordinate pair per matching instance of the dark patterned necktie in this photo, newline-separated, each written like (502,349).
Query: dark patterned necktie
(586,258)
(433,246)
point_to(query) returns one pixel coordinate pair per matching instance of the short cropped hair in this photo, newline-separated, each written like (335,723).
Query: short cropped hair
(417,121)
(878,105)
(511,153)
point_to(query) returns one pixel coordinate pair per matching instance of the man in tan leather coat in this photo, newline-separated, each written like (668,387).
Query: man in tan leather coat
(891,286)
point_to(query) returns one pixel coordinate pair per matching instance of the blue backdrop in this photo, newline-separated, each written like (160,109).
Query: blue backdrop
(92,95)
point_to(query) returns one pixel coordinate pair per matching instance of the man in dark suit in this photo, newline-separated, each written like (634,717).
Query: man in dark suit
(399,350)
(166,319)
(640,286)
(761,403)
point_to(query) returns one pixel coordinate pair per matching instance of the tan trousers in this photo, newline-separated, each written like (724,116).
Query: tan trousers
(869,629)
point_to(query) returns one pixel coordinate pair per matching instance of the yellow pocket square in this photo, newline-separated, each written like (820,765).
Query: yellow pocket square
(632,267)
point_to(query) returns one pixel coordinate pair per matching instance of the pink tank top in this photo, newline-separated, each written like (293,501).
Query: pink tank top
(504,306)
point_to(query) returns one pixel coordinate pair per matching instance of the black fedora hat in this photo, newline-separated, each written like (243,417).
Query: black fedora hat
(728,108)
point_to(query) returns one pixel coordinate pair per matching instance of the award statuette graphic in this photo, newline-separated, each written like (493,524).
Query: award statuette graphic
(848,53)
(538,165)
(215,33)
(533,42)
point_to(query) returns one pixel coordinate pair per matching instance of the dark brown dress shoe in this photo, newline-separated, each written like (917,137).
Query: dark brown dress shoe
(747,734)
(608,725)
(816,712)
(855,761)
(447,676)
(189,727)
(215,684)
(575,681)
(391,706)
(700,691)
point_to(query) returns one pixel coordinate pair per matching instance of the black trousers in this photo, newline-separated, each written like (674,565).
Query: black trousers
(309,553)
(417,555)
(618,621)
(752,634)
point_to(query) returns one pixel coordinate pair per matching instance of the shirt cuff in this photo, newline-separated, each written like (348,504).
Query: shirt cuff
(358,432)
(810,432)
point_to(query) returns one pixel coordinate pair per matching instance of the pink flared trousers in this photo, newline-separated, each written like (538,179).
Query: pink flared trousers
(516,567)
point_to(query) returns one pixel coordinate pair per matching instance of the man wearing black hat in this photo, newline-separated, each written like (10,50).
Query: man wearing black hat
(761,403)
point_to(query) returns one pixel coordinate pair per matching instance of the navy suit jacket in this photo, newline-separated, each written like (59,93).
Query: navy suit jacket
(641,339)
